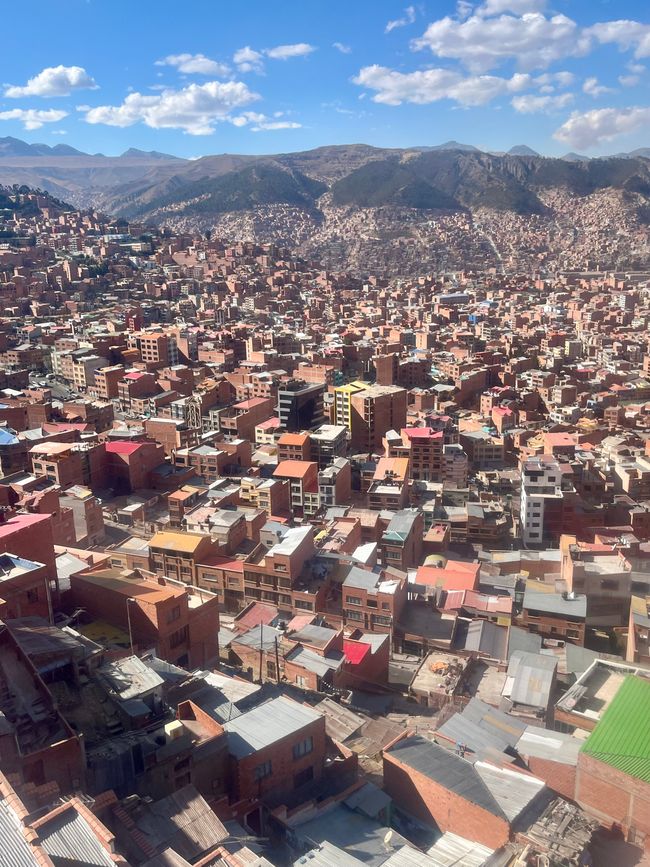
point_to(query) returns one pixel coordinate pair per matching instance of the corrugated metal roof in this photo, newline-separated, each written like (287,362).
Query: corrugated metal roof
(488,638)
(266,724)
(578,659)
(182,821)
(327,855)
(482,728)
(448,770)
(409,857)
(311,661)
(168,858)
(340,722)
(544,744)
(519,639)
(512,791)
(14,849)
(621,737)
(555,603)
(69,838)
(531,677)
(129,677)
(357,835)
(369,800)
(454,851)
(316,635)
(259,636)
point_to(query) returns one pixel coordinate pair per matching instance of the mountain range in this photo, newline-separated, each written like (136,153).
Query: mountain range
(333,199)
(449,176)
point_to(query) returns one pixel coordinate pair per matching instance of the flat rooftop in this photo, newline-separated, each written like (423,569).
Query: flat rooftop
(595,689)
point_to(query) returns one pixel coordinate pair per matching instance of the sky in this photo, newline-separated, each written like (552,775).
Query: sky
(203,77)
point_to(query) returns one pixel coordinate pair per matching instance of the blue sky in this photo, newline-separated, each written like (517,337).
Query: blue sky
(265,76)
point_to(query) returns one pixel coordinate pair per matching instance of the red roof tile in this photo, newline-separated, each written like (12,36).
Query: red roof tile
(122,448)
(355,651)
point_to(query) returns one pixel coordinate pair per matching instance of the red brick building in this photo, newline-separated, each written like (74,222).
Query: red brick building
(24,589)
(449,793)
(275,749)
(182,624)
(129,464)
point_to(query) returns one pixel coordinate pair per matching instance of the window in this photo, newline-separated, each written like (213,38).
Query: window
(174,614)
(262,771)
(32,595)
(353,600)
(354,615)
(303,748)
(178,638)
(270,669)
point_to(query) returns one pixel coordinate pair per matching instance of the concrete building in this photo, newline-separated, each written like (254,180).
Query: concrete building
(300,405)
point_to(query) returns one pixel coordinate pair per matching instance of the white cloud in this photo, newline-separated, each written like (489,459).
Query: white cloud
(195,109)
(628,80)
(481,44)
(548,82)
(519,7)
(194,64)
(588,129)
(248,60)
(592,88)
(59,132)
(284,52)
(261,123)
(430,85)
(408,18)
(625,34)
(531,104)
(276,124)
(53,81)
(32,118)
(342,47)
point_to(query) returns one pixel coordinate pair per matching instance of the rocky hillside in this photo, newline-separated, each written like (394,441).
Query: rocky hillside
(366,208)
(363,177)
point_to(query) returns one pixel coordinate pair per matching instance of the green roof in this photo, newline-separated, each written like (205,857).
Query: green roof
(621,737)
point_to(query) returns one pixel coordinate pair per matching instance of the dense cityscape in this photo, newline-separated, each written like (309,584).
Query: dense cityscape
(312,568)
(325,433)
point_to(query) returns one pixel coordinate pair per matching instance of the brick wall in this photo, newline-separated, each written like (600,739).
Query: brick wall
(612,796)
(557,776)
(284,766)
(434,805)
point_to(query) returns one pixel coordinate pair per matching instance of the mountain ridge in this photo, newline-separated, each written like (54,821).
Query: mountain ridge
(392,210)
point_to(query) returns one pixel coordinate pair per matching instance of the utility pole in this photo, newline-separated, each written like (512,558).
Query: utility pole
(277,662)
(128,617)
(261,649)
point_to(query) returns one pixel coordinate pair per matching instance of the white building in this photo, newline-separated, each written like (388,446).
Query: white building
(541,494)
